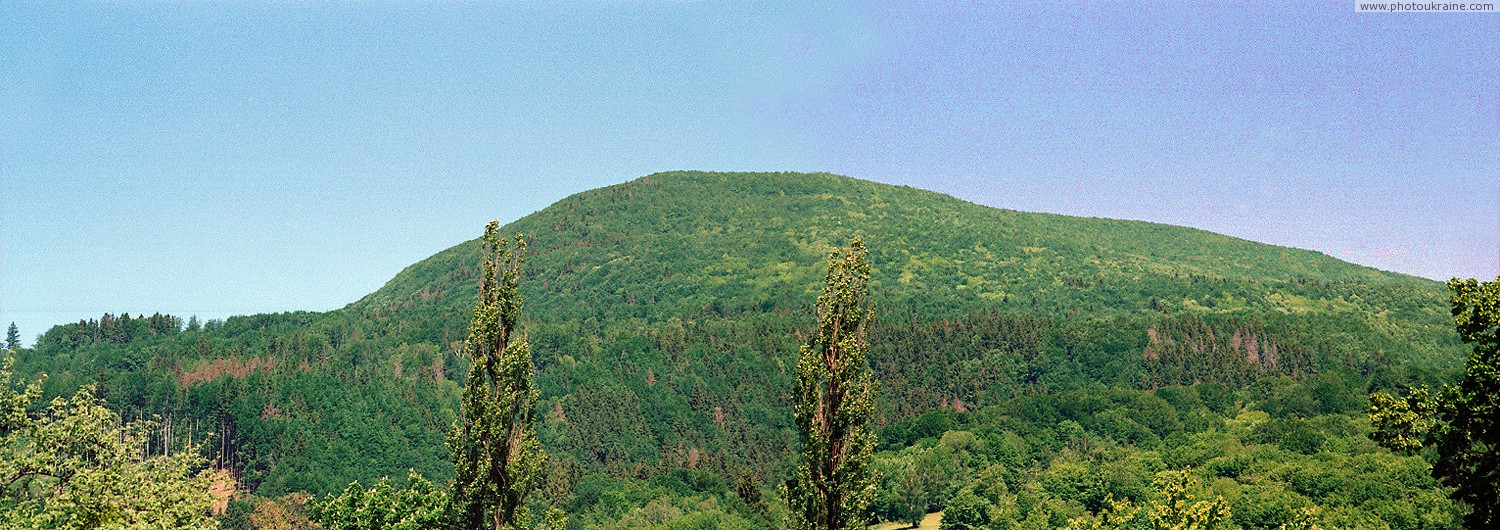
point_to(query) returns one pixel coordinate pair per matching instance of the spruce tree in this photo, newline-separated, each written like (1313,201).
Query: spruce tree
(495,449)
(834,402)
(12,337)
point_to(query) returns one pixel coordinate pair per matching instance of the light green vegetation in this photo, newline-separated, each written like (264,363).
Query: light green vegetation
(71,464)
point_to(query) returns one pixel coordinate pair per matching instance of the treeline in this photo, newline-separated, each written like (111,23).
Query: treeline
(632,398)
(122,329)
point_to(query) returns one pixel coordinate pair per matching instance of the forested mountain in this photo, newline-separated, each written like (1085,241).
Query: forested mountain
(664,316)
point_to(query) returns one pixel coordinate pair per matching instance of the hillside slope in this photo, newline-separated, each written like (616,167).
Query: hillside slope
(686,240)
(662,314)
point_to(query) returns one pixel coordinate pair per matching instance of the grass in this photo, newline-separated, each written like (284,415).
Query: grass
(929,522)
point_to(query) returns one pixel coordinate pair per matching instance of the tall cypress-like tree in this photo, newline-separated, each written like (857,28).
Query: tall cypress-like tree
(834,403)
(495,450)
(12,337)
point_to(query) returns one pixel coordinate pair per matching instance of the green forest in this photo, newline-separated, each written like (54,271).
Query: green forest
(1029,371)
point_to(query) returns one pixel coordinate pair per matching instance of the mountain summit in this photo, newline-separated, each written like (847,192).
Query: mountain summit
(684,241)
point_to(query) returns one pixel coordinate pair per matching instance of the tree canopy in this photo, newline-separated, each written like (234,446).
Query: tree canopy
(74,465)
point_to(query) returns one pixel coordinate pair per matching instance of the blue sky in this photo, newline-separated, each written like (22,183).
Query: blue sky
(229,158)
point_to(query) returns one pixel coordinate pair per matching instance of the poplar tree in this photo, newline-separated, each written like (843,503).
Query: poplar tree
(495,449)
(834,402)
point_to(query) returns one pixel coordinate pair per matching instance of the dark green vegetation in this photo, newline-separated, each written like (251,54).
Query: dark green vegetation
(663,317)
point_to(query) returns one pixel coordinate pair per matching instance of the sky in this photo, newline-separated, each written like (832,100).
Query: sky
(220,158)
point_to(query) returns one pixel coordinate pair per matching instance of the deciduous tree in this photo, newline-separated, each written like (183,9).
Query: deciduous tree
(833,404)
(966,511)
(74,465)
(495,449)
(1176,509)
(418,506)
(1468,433)
(1465,429)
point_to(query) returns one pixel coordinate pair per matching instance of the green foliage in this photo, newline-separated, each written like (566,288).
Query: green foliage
(673,501)
(1176,508)
(1468,430)
(1294,435)
(1044,460)
(110,329)
(966,511)
(498,458)
(1462,423)
(834,483)
(1402,423)
(912,484)
(74,465)
(418,506)
(12,337)
(1121,514)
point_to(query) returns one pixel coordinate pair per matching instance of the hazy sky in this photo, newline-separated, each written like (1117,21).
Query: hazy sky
(227,158)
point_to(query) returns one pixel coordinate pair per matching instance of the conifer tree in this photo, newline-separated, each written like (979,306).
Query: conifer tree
(834,402)
(12,337)
(495,449)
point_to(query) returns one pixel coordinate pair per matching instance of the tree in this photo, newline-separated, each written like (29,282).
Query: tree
(290,512)
(1468,433)
(913,482)
(74,465)
(1463,422)
(1177,508)
(418,506)
(966,511)
(495,449)
(12,337)
(1402,424)
(834,401)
